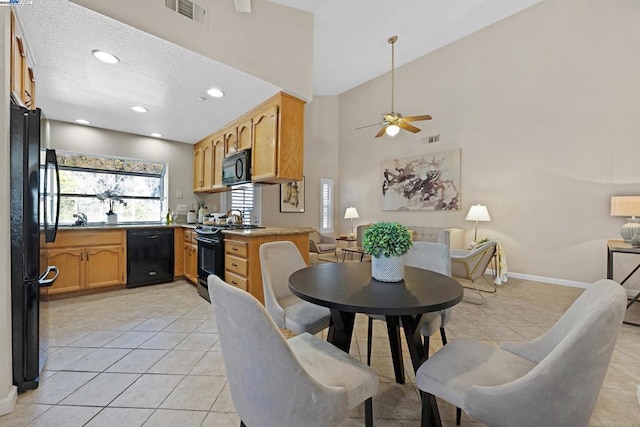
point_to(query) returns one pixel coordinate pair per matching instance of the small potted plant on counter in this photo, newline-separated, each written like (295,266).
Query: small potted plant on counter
(387,242)
(110,197)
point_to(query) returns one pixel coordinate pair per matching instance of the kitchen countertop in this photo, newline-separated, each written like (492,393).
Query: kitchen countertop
(251,232)
(268,231)
(121,226)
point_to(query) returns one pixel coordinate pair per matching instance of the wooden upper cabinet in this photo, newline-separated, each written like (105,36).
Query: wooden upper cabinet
(198,166)
(274,131)
(231,141)
(245,132)
(207,167)
(278,147)
(218,155)
(264,154)
(22,78)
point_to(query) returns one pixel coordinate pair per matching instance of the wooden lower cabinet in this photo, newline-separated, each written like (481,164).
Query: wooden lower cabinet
(190,255)
(242,258)
(83,266)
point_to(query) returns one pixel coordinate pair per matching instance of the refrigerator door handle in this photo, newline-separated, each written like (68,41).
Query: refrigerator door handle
(44,283)
(51,227)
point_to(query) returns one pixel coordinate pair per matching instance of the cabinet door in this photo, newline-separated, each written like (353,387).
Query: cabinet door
(218,155)
(264,154)
(207,169)
(231,141)
(104,266)
(191,262)
(198,168)
(70,263)
(244,135)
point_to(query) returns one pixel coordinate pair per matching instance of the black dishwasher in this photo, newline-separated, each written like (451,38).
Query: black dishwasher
(149,256)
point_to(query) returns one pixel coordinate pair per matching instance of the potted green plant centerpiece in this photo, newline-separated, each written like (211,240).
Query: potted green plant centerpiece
(387,242)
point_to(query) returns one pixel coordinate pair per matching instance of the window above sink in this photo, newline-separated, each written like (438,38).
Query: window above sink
(139,187)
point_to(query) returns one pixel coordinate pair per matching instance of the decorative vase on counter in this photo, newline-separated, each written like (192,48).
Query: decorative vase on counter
(112,218)
(202,212)
(387,269)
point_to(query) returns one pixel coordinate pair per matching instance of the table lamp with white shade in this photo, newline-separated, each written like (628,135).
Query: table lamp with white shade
(628,206)
(351,213)
(478,213)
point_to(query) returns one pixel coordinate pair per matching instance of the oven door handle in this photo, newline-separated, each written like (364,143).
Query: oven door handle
(209,241)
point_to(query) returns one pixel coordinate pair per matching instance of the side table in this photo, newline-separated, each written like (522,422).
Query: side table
(620,246)
(348,239)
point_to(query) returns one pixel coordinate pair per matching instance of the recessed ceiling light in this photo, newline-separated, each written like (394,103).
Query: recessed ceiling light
(156,135)
(82,121)
(215,92)
(105,57)
(139,109)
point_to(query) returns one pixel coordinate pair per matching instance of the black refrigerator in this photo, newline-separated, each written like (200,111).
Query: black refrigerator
(34,210)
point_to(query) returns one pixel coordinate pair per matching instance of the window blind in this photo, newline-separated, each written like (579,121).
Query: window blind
(326,205)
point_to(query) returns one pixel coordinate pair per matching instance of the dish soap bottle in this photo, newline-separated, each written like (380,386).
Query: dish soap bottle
(169,217)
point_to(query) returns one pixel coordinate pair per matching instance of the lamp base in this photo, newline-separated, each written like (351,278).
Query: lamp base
(630,229)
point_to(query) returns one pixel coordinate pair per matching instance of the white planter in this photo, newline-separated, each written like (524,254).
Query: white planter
(389,269)
(112,219)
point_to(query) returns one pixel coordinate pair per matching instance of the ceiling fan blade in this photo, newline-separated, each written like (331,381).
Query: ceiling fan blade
(416,118)
(368,126)
(407,126)
(381,132)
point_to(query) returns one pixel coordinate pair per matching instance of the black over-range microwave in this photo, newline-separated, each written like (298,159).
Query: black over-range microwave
(236,168)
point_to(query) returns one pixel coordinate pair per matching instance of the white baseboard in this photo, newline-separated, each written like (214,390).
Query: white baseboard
(550,280)
(9,402)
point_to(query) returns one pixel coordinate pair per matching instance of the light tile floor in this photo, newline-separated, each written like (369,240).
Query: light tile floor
(150,356)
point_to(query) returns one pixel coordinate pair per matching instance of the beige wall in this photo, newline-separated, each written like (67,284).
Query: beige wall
(273,42)
(7,391)
(179,156)
(544,106)
(320,161)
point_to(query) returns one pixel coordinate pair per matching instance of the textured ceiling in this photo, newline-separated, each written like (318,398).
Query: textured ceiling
(350,48)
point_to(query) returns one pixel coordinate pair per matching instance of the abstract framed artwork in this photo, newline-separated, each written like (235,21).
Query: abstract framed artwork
(428,182)
(292,196)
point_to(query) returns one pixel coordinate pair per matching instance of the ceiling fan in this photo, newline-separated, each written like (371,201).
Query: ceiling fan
(393,122)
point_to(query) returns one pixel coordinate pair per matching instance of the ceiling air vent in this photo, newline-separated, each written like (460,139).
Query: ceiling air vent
(188,9)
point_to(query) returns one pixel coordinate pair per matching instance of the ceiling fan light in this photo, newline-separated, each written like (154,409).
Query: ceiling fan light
(392,130)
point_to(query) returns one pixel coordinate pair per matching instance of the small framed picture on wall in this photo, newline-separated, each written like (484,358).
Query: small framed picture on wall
(292,196)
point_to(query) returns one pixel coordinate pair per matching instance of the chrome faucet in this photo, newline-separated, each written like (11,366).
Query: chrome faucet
(82,218)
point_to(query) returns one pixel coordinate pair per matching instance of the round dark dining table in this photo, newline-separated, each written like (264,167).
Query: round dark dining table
(348,288)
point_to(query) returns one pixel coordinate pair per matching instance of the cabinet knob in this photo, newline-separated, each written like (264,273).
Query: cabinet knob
(234,264)
(235,249)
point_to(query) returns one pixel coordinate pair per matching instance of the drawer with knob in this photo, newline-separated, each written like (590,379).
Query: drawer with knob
(235,280)
(236,265)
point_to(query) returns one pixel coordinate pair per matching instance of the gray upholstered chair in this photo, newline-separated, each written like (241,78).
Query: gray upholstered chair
(274,382)
(321,243)
(471,264)
(278,260)
(429,256)
(553,380)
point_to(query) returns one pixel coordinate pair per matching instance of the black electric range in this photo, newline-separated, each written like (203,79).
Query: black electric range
(211,252)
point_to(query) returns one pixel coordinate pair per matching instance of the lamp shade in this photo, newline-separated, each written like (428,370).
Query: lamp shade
(625,206)
(351,213)
(478,213)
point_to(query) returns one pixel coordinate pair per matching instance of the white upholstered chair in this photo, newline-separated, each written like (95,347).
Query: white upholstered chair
(471,265)
(278,260)
(553,380)
(274,382)
(428,256)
